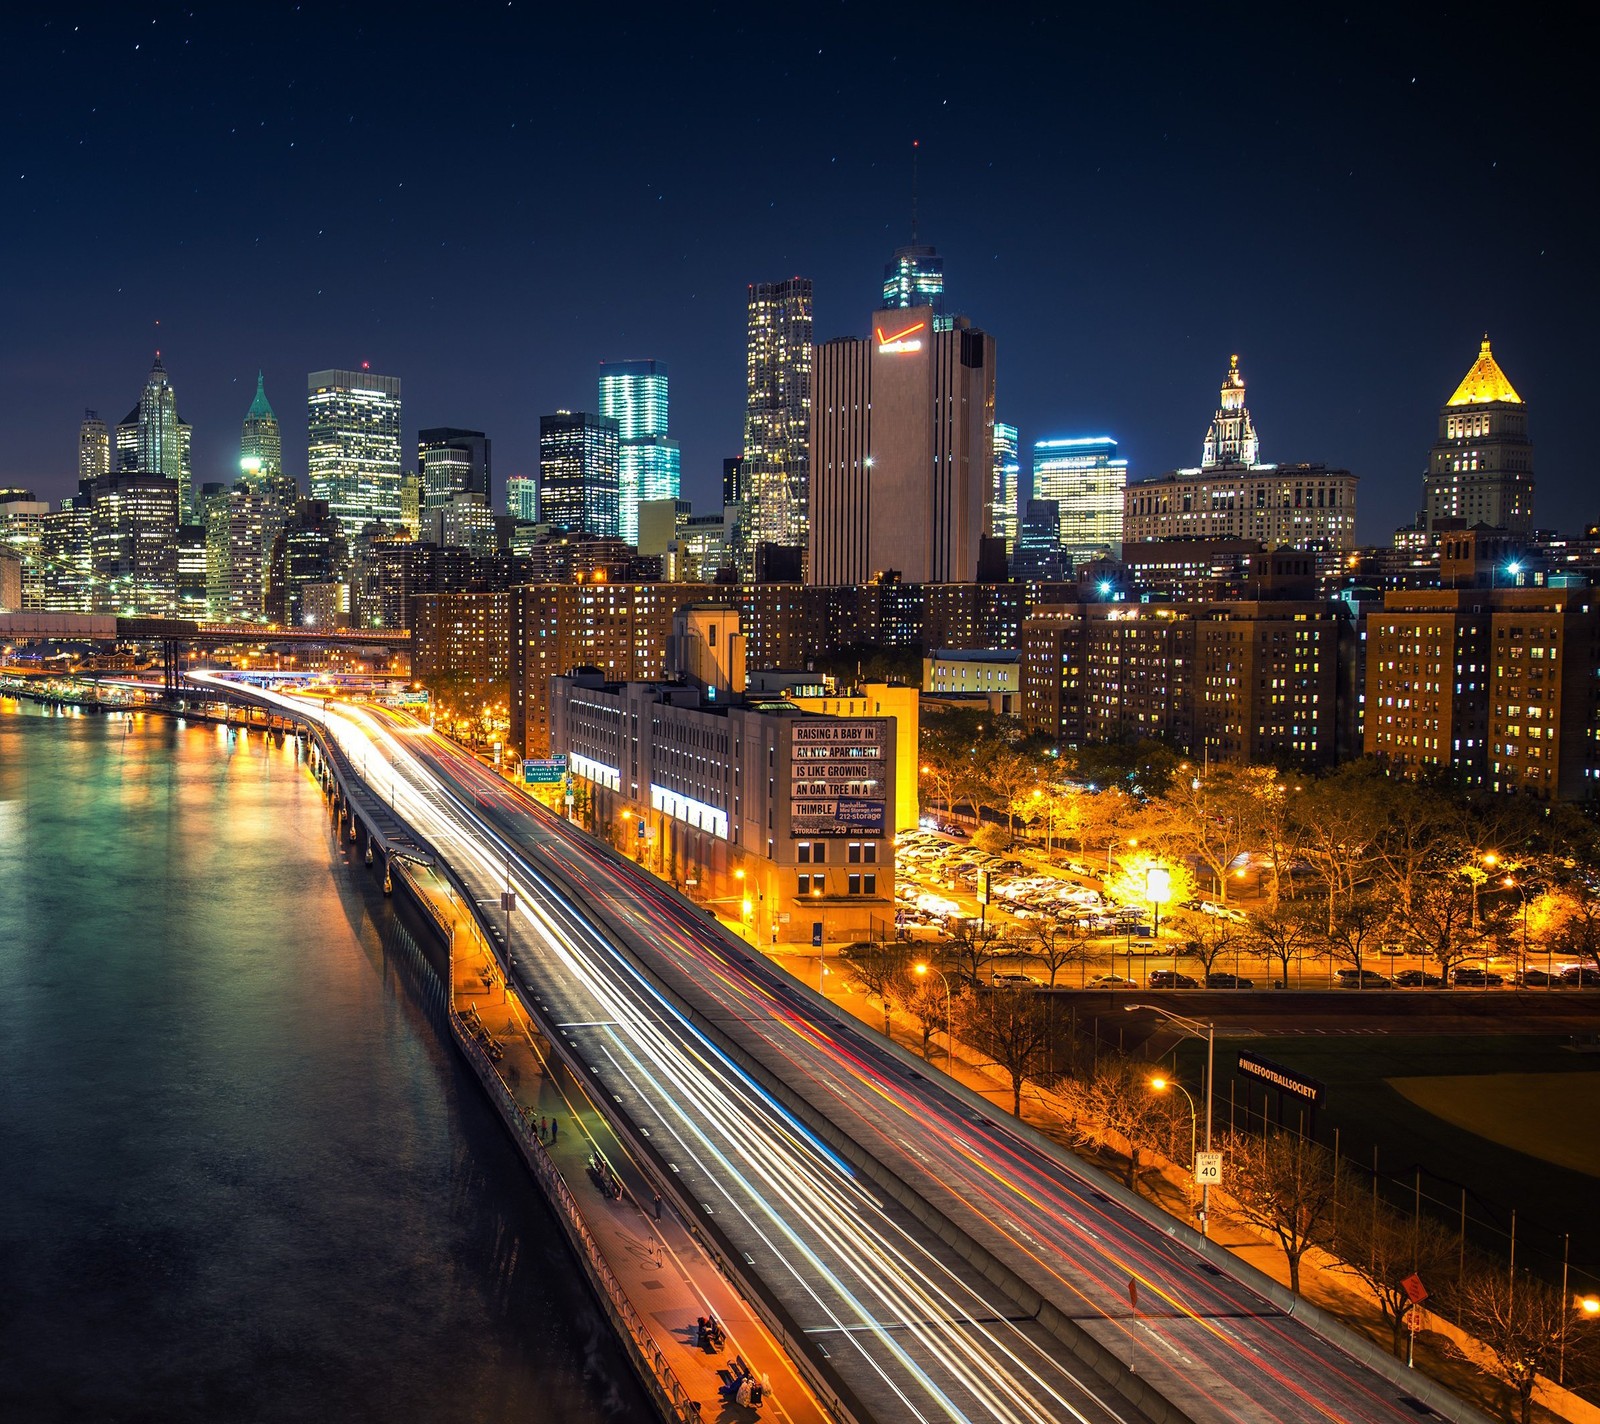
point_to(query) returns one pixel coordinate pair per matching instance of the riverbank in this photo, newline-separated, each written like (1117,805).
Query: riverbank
(649,1270)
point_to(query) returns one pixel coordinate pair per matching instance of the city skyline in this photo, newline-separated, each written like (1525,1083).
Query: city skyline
(1353,334)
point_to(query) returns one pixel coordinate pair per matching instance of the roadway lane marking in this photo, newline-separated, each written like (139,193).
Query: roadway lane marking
(590,1023)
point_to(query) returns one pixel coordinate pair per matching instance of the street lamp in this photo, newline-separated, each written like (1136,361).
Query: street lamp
(1208,1031)
(1161,1085)
(949,1033)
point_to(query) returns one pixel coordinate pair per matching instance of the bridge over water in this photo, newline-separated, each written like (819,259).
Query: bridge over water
(176,635)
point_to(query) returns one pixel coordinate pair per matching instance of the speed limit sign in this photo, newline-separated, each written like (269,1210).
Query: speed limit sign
(1208,1168)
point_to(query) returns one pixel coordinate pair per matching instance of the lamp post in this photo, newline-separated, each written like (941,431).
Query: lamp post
(1161,1085)
(1113,842)
(1208,1031)
(822,951)
(949,1033)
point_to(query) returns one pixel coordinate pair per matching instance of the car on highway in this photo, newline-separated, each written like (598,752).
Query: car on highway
(1472,977)
(1170,979)
(1362,979)
(1418,979)
(1016,979)
(1581,977)
(1537,978)
(1229,981)
(1111,981)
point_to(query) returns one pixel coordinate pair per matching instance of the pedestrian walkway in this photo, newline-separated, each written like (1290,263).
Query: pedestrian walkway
(662,1268)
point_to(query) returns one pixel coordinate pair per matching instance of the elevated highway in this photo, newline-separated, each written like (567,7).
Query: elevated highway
(932,1259)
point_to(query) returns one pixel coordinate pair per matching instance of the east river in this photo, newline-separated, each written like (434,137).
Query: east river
(242,1176)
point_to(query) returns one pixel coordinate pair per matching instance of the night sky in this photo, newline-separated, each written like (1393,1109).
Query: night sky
(487,200)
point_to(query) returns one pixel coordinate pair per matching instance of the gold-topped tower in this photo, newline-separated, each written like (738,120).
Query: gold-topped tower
(1480,470)
(1485,382)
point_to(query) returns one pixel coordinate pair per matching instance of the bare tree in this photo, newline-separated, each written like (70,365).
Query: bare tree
(1007,778)
(1382,1248)
(876,968)
(1337,819)
(1524,1324)
(1012,1028)
(1210,818)
(1577,932)
(1114,1107)
(1281,936)
(925,998)
(972,948)
(1438,919)
(1277,829)
(1420,829)
(1357,927)
(1057,943)
(1212,938)
(1283,1183)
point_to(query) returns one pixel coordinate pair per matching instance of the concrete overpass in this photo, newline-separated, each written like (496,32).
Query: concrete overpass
(176,634)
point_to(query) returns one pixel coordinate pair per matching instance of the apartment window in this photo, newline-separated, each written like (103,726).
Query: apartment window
(805,884)
(869,884)
(855,884)
(802,852)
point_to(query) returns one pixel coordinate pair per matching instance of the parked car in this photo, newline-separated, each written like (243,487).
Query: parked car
(1362,979)
(1472,977)
(1418,979)
(1223,912)
(1229,981)
(1170,979)
(1581,977)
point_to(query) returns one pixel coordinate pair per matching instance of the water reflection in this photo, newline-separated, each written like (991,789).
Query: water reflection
(245,1177)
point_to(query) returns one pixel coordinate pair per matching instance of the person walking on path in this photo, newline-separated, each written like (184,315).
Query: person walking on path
(658,1206)
(554,1127)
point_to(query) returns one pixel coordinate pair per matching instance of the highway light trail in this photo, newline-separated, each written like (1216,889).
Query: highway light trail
(917,1325)
(926,1333)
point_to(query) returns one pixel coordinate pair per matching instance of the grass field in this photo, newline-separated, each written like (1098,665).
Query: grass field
(1552,1116)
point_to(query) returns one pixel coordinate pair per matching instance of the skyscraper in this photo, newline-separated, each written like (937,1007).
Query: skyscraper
(354,446)
(1231,438)
(260,442)
(235,556)
(94,449)
(1086,479)
(1233,494)
(634,394)
(522,497)
(902,451)
(579,474)
(134,533)
(914,277)
(452,462)
(153,437)
(1005,491)
(776,471)
(1481,466)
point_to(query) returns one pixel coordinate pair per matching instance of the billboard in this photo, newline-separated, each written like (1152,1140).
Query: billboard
(839,783)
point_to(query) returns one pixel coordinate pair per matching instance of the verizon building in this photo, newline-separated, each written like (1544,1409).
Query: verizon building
(902,451)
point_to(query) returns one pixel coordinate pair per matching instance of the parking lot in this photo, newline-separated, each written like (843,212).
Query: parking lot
(940,879)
